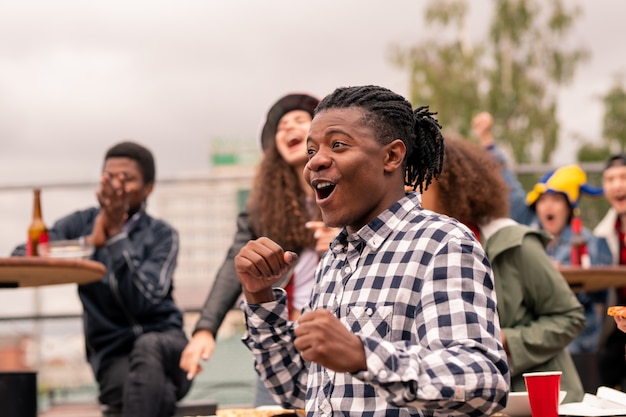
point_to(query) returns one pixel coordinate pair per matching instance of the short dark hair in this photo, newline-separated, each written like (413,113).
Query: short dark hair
(392,117)
(138,153)
(616,160)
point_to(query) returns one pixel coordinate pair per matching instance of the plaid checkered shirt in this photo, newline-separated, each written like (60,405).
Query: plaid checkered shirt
(418,290)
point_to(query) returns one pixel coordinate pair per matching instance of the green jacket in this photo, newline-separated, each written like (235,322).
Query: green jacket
(539,313)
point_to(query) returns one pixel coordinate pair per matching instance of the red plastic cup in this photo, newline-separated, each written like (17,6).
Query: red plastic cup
(543,392)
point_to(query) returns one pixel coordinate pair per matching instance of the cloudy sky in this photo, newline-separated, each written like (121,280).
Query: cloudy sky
(77,76)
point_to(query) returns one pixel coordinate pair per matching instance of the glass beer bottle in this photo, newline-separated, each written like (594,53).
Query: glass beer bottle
(579,255)
(37,242)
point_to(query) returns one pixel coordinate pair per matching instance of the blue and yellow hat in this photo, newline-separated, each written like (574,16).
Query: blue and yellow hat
(570,180)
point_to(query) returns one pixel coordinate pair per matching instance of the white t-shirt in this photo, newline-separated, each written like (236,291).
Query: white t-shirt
(304,273)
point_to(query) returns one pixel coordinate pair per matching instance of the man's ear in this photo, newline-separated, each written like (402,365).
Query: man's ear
(394,155)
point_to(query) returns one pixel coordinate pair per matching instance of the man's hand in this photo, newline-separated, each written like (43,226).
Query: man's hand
(98,235)
(322,234)
(200,347)
(114,203)
(322,339)
(481,124)
(260,264)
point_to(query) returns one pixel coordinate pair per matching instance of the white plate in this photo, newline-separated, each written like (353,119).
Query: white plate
(69,249)
(518,405)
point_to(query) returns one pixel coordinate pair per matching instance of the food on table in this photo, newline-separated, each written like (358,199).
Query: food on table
(619,311)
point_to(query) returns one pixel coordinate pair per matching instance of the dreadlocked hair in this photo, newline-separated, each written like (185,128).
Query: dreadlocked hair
(277,205)
(392,117)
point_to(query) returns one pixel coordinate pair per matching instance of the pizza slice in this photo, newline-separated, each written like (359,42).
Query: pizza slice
(619,311)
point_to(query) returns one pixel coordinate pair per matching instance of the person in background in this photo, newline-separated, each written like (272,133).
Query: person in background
(133,328)
(402,319)
(482,124)
(539,314)
(553,205)
(282,207)
(555,199)
(613,228)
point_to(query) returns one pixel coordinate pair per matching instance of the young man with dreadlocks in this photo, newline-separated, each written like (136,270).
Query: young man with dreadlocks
(402,320)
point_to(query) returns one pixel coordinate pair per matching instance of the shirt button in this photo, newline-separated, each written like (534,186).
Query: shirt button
(348,270)
(369,311)
(382,374)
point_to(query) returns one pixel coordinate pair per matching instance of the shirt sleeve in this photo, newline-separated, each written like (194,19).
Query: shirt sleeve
(144,273)
(270,338)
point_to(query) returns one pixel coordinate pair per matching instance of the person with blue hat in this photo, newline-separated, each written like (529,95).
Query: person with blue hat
(553,205)
(555,200)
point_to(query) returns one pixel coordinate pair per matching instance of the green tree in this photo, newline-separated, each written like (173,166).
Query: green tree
(614,121)
(445,74)
(515,73)
(592,153)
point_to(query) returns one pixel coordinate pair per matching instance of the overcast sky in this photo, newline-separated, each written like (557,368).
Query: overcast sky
(77,76)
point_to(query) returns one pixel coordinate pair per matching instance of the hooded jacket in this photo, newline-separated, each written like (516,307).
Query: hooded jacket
(539,313)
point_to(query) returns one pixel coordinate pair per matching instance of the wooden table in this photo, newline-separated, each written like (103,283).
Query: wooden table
(18,271)
(595,278)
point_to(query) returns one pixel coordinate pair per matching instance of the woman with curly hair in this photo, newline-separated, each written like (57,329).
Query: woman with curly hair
(282,207)
(539,313)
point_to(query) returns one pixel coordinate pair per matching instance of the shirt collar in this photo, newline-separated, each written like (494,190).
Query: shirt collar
(376,231)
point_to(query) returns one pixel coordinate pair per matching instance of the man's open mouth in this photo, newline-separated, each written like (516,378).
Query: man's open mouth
(324,190)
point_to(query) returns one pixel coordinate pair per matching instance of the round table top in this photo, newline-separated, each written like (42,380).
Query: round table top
(18,271)
(595,278)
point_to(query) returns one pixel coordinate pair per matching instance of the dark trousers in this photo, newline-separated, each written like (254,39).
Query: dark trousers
(612,361)
(149,381)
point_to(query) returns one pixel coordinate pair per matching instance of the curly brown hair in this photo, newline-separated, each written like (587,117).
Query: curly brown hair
(278,205)
(471,187)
